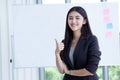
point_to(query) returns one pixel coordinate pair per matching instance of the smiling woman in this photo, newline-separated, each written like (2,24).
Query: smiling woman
(78,55)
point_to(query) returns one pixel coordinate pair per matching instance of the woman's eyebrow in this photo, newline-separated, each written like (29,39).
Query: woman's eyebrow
(77,16)
(70,16)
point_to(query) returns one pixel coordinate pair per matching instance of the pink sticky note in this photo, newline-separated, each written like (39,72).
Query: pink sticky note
(109,34)
(106,11)
(106,19)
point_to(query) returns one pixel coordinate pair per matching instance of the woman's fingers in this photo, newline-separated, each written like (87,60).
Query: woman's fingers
(59,45)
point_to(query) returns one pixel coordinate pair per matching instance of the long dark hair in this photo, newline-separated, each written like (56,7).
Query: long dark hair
(84,30)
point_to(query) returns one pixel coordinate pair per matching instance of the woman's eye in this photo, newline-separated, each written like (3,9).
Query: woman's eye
(70,18)
(77,18)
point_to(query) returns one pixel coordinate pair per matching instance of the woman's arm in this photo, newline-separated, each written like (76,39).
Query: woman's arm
(59,63)
(80,72)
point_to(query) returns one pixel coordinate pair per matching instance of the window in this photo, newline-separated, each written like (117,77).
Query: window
(112,0)
(84,1)
(53,1)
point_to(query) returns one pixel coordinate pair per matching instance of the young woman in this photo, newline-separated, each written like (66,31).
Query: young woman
(78,54)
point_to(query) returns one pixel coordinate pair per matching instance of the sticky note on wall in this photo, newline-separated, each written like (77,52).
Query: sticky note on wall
(109,26)
(106,11)
(106,19)
(109,34)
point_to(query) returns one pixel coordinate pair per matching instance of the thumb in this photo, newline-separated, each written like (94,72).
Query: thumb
(57,42)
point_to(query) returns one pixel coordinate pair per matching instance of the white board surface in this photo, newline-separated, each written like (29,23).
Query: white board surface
(36,27)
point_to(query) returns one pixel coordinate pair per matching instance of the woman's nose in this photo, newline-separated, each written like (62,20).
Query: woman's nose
(73,20)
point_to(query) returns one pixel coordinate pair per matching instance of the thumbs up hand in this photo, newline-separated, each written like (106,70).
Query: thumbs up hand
(59,46)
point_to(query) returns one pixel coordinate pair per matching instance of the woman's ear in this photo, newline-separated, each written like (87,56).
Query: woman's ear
(85,21)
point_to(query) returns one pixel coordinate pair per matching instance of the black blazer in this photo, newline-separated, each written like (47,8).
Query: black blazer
(86,55)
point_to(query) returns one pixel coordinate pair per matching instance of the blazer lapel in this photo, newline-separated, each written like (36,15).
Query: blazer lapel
(78,47)
(70,63)
(76,50)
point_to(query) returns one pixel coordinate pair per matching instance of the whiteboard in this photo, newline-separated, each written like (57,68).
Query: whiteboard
(36,26)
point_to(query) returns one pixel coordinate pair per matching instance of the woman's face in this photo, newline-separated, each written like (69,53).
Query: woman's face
(75,21)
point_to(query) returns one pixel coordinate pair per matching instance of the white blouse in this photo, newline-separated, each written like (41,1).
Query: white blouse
(71,56)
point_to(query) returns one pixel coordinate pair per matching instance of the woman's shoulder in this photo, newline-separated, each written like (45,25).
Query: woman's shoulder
(93,36)
(90,37)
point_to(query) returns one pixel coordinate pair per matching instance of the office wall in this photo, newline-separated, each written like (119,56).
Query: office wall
(7,72)
(0,55)
(4,40)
